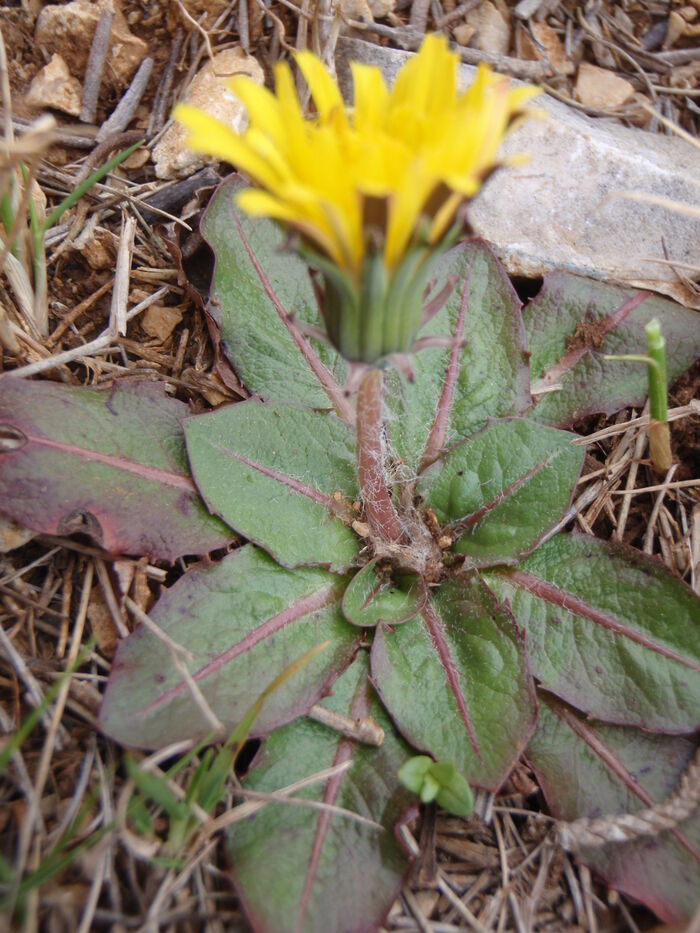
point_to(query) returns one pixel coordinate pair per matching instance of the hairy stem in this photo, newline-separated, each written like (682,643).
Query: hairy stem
(379,510)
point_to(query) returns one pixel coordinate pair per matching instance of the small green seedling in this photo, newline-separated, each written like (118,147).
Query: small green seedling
(439,781)
(659,433)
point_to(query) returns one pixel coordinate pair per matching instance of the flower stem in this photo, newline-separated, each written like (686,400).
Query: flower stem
(379,510)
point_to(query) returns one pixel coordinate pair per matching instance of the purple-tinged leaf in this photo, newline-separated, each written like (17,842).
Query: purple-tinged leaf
(484,374)
(317,871)
(373,597)
(457,683)
(238,623)
(503,489)
(261,292)
(283,476)
(574,322)
(109,464)
(587,769)
(608,630)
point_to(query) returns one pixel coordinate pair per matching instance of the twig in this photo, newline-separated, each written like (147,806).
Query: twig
(365,730)
(95,66)
(649,533)
(650,821)
(419,15)
(120,293)
(126,108)
(159,110)
(100,344)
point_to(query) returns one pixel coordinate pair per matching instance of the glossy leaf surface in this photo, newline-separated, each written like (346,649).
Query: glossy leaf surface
(574,322)
(500,491)
(239,624)
(111,465)
(283,476)
(457,683)
(609,630)
(258,282)
(588,769)
(483,375)
(314,871)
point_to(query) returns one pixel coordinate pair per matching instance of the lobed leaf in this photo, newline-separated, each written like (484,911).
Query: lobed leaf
(238,624)
(500,491)
(454,390)
(574,322)
(587,769)
(457,683)
(312,870)
(283,476)
(111,465)
(609,631)
(258,284)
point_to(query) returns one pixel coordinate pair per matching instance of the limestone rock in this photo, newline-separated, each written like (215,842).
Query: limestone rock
(68,29)
(209,92)
(492,30)
(160,321)
(464,33)
(601,89)
(55,88)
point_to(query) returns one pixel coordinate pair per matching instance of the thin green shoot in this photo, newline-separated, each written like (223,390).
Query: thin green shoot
(655,359)
(85,186)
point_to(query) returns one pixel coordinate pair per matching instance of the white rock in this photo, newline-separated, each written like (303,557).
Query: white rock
(559,211)
(209,92)
(54,87)
(492,30)
(68,29)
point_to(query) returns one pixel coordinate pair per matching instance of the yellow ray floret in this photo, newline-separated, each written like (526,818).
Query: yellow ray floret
(420,149)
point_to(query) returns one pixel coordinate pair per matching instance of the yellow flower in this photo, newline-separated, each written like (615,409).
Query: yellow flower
(374,183)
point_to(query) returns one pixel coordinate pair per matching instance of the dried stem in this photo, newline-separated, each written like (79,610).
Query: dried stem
(379,509)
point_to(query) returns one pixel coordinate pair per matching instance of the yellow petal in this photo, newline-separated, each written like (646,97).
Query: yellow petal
(324,90)
(262,107)
(210,137)
(371,98)
(261,204)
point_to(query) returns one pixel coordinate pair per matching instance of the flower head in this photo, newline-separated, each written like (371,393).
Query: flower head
(367,186)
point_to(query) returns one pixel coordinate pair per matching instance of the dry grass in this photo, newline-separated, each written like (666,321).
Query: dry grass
(78,851)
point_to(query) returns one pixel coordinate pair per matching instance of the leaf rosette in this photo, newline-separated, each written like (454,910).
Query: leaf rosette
(451,654)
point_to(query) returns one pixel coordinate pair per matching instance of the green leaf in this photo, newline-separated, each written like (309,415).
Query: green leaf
(239,624)
(283,476)
(258,283)
(609,630)
(587,769)
(501,491)
(454,390)
(439,781)
(297,868)
(574,323)
(111,465)
(373,597)
(457,683)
